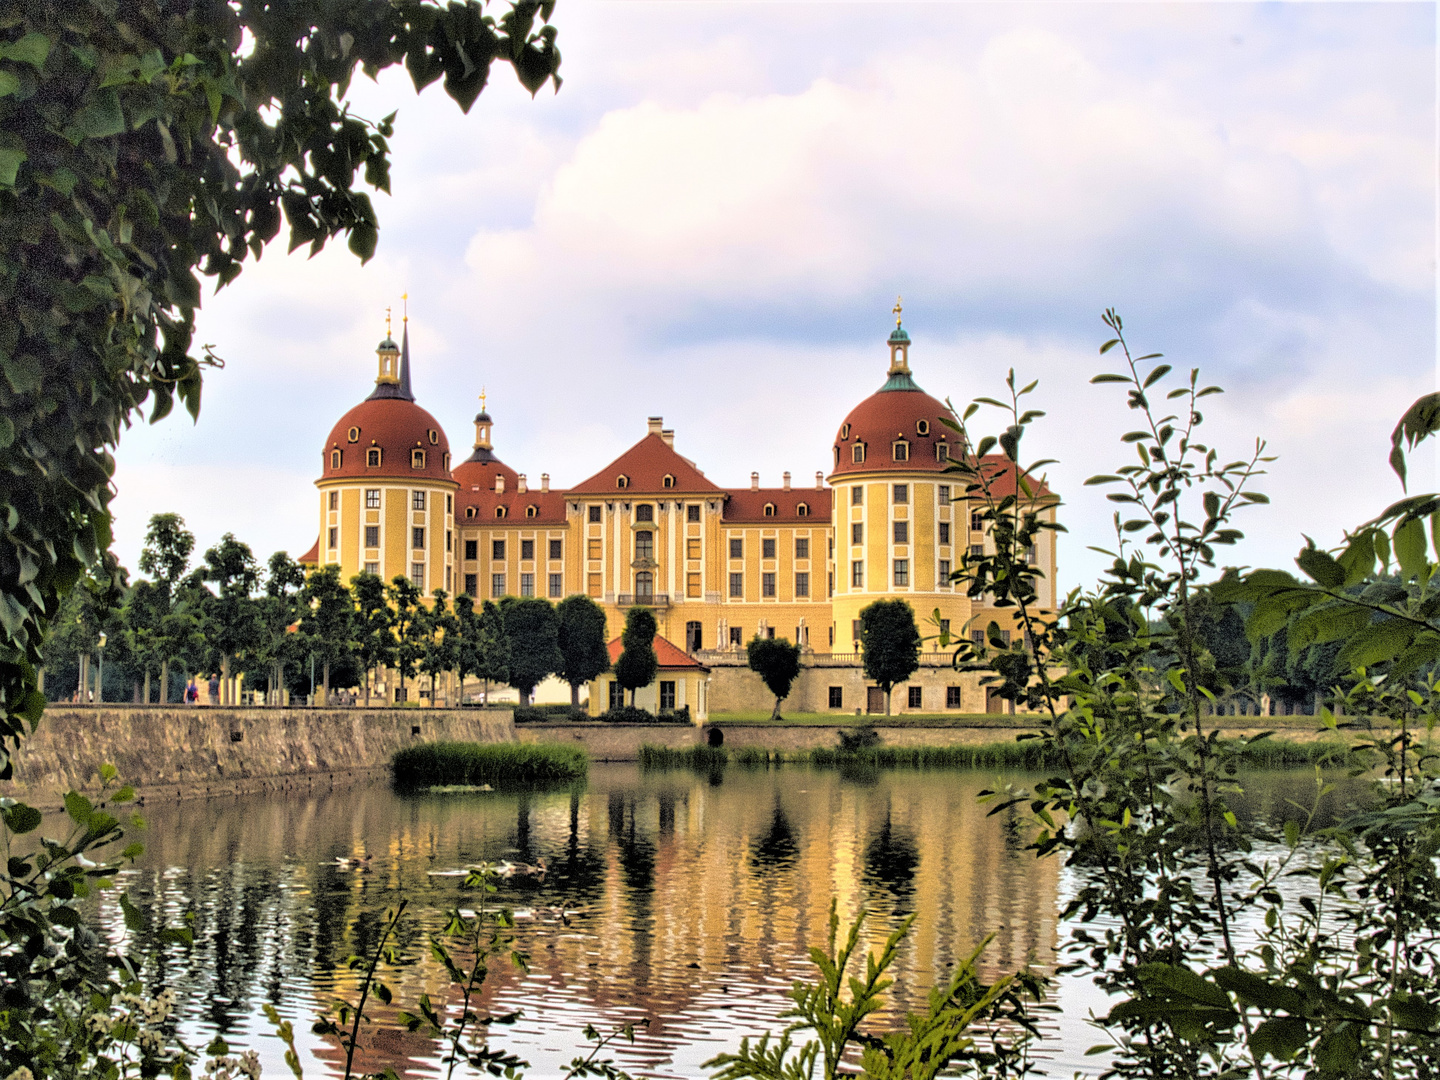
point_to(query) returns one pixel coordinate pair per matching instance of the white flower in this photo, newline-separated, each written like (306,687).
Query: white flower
(99,1023)
(250,1064)
(22,1073)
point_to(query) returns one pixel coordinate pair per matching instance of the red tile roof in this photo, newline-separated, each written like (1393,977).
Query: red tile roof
(396,426)
(1002,478)
(669,655)
(749,506)
(311,557)
(886,416)
(549,507)
(645,466)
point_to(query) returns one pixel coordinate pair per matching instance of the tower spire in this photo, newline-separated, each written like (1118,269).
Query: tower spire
(405,391)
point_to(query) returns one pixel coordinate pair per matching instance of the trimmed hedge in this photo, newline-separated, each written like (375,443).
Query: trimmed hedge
(459,763)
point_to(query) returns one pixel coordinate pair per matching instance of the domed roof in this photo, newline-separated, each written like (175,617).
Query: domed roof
(892,416)
(477,473)
(394,426)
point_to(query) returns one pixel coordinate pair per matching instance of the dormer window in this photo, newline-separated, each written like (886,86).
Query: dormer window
(901,450)
(622,481)
(942,451)
(446,460)
(354,434)
(417,459)
(334,459)
(644,512)
(669,481)
(844,432)
(469,511)
(372,457)
(500,511)
(531,510)
(922,427)
(434,437)
(769,509)
(837,457)
(857,453)
(803,510)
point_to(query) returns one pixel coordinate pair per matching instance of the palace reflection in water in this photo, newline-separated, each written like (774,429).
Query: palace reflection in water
(691,901)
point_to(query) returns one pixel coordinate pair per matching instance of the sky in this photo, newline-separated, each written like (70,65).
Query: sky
(712,219)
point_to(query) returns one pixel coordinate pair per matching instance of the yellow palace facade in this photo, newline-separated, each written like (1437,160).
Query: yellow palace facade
(715,565)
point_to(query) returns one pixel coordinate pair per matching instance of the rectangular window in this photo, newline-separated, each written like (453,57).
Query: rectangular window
(449,501)
(644,544)
(334,535)
(837,697)
(857,495)
(557,586)
(1030,555)
(527,584)
(692,512)
(944,626)
(334,500)
(902,532)
(944,494)
(372,498)
(902,450)
(471,584)
(952,697)
(944,532)
(417,537)
(802,547)
(471,549)
(735,635)
(944,571)
(594,513)
(802,584)
(497,549)
(902,493)
(557,549)
(767,548)
(449,540)
(767,585)
(417,500)
(1004,637)
(417,575)
(692,549)
(942,451)
(977,638)
(497,585)
(372,568)
(737,548)
(592,586)
(592,549)
(527,549)
(914,697)
(977,521)
(857,532)
(667,695)
(692,585)
(855,631)
(857,575)
(977,551)
(902,571)
(857,452)
(737,585)
(617,694)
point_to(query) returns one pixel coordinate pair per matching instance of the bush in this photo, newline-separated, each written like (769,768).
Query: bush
(699,758)
(627,714)
(861,738)
(458,763)
(753,756)
(539,714)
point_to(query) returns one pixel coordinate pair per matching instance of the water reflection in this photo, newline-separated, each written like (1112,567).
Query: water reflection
(691,900)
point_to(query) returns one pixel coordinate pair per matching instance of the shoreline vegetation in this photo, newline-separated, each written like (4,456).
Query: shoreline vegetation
(1027,755)
(462,765)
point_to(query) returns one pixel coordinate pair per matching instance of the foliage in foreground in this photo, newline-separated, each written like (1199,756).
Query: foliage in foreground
(459,763)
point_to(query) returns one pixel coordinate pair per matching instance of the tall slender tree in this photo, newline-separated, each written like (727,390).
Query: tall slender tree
(533,631)
(492,649)
(409,627)
(890,644)
(581,640)
(166,559)
(328,620)
(230,619)
(638,663)
(374,626)
(441,646)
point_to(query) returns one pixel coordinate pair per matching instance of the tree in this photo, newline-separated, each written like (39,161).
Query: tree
(777,662)
(583,652)
(890,644)
(441,647)
(328,620)
(533,630)
(638,663)
(143,617)
(166,558)
(374,633)
(408,623)
(229,617)
(492,648)
(138,151)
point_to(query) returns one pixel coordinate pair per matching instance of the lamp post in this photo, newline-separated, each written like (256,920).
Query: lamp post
(100,682)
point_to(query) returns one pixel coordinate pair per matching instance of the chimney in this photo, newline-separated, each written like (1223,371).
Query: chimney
(786,482)
(499,483)
(754,481)
(669,436)
(544,482)
(655,425)
(819,480)
(520,483)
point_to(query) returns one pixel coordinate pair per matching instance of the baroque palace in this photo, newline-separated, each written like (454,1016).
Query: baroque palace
(715,565)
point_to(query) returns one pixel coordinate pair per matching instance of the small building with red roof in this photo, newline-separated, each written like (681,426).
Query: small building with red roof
(681,684)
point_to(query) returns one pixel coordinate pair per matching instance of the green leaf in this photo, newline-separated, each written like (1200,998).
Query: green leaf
(10,160)
(1161,370)
(1281,1037)
(1409,541)
(1185,983)
(21,819)
(134,920)
(32,49)
(1420,421)
(1320,566)
(100,119)
(78,807)
(9,83)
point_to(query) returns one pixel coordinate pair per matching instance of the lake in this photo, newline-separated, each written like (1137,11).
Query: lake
(691,901)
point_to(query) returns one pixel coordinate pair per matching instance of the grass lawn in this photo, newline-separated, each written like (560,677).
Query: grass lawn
(932,720)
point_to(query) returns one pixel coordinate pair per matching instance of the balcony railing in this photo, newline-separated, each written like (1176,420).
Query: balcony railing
(642,599)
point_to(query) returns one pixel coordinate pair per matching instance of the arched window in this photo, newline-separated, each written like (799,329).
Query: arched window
(769,509)
(354,434)
(901,450)
(857,452)
(644,587)
(644,512)
(334,459)
(669,481)
(500,511)
(622,481)
(922,427)
(372,457)
(803,510)
(644,544)
(417,459)
(531,510)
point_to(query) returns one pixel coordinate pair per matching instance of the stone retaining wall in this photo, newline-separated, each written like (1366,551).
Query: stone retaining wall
(615,742)
(180,752)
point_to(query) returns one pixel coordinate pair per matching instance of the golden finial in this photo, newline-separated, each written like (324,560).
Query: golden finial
(482,399)
(896,311)
(387,320)
(405,300)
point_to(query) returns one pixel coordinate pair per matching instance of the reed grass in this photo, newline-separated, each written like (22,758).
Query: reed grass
(456,764)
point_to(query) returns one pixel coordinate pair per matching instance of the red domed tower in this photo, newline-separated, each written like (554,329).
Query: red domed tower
(387,498)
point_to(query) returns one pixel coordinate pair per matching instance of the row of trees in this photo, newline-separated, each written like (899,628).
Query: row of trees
(286,629)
